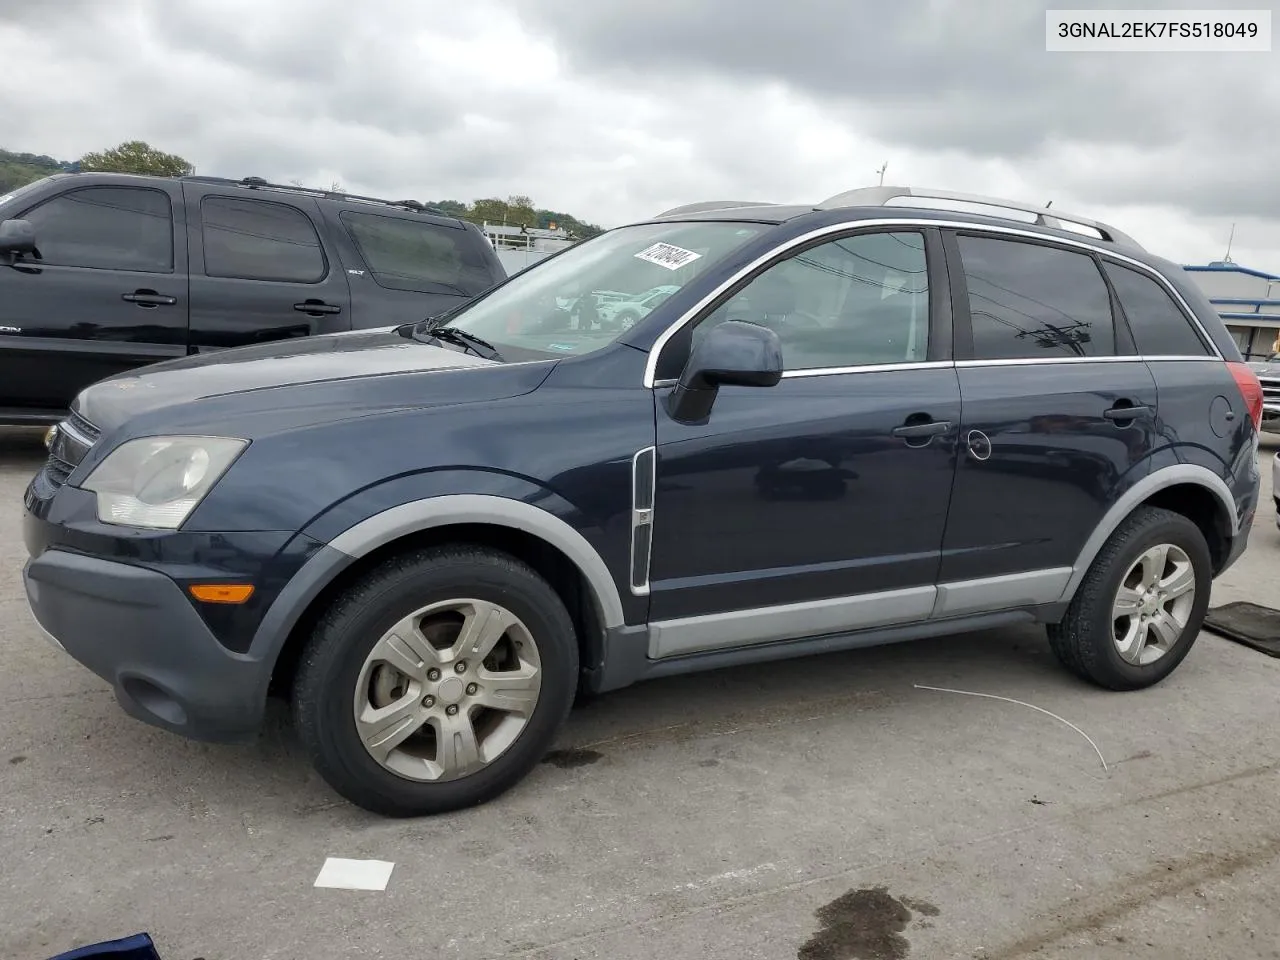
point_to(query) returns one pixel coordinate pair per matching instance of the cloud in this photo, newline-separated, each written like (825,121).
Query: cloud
(615,111)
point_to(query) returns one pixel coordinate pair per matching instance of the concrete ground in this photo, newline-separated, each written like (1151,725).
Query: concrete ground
(823,808)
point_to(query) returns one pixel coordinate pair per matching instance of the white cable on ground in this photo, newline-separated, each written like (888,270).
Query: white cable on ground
(992,696)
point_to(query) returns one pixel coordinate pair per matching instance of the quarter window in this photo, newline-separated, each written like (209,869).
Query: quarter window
(851,302)
(106,228)
(259,240)
(419,255)
(1030,301)
(1160,328)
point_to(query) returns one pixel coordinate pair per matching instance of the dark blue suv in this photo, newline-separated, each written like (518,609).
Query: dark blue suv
(854,423)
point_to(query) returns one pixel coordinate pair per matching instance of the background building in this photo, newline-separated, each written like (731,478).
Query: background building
(1247,300)
(520,247)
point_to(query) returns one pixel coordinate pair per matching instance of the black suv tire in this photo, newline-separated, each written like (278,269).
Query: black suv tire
(332,664)
(1085,642)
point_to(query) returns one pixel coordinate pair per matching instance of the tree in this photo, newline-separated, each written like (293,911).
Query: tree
(451,208)
(490,208)
(520,212)
(569,223)
(136,156)
(18,169)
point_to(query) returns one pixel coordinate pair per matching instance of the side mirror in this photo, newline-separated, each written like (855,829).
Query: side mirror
(733,353)
(17,236)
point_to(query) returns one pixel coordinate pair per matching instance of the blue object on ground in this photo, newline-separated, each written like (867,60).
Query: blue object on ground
(137,947)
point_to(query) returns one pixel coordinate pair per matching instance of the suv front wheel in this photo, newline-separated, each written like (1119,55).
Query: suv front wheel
(1139,608)
(436,682)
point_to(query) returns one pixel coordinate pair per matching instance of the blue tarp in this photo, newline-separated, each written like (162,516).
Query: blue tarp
(137,947)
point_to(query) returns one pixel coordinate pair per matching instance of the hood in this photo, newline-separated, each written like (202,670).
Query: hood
(306,360)
(1265,368)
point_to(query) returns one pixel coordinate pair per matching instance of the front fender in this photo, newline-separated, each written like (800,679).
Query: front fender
(593,536)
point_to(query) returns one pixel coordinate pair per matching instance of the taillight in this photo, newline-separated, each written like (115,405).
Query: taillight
(1250,390)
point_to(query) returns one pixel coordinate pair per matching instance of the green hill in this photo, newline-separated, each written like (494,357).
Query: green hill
(17,169)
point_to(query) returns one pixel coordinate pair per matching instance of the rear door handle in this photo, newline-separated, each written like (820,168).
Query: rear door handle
(1127,412)
(918,431)
(316,307)
(149,298)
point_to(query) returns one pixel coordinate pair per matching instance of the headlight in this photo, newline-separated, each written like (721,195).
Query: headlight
(157,481)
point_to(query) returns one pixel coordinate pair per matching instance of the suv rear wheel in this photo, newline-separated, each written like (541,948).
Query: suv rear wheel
(1138,611)
(436,682)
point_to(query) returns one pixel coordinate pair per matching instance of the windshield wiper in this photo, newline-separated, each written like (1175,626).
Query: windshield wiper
(469,341)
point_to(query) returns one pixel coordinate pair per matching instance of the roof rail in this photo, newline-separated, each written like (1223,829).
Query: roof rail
(880,197)
(710,205)
(258,183)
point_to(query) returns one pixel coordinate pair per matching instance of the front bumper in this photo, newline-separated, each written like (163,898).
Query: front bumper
(116,599)
(1275,485)
(1270,417)
(136,629)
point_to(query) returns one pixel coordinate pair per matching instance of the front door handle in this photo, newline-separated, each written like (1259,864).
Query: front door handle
(316,307)
(1127,411)
(149,298)
(919,431)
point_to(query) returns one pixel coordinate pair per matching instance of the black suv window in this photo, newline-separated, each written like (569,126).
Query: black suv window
(1160,328)
(106,228)
(260,240)
(405,254)
(1030,301)
(851,302)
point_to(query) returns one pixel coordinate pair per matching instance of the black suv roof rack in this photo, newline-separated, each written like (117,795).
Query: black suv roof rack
(882,196)
(258,183)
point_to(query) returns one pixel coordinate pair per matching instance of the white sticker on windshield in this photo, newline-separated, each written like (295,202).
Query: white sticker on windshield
(668,255)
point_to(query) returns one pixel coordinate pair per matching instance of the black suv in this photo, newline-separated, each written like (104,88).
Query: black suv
(846,424)
(102,273)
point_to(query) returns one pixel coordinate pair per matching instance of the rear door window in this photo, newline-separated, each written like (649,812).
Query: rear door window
(410,254)
(1159,326)
(1032,301)
(260,240)
(106,228)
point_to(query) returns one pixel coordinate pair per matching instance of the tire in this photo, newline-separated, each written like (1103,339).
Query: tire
(1086,642)
(340,671)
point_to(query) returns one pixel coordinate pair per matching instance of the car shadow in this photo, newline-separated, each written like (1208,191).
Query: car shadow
(272,776)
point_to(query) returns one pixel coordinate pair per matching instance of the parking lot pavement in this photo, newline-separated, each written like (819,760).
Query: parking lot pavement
(820,808)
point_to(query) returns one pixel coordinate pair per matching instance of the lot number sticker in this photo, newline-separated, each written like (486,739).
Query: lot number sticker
(668,255)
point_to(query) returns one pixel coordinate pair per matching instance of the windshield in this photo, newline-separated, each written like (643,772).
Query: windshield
(587,296)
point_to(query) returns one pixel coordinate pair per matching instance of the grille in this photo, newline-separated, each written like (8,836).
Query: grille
(83,427)
(73,438)
(1270,389)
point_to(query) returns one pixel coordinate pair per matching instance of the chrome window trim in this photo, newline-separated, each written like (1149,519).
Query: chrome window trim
(939,364)
(854,226)
(1040,361)
(870,368)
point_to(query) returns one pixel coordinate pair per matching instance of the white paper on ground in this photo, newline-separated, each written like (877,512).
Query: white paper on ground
(355,874)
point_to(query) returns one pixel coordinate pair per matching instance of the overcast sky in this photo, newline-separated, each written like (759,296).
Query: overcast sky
(614,110)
